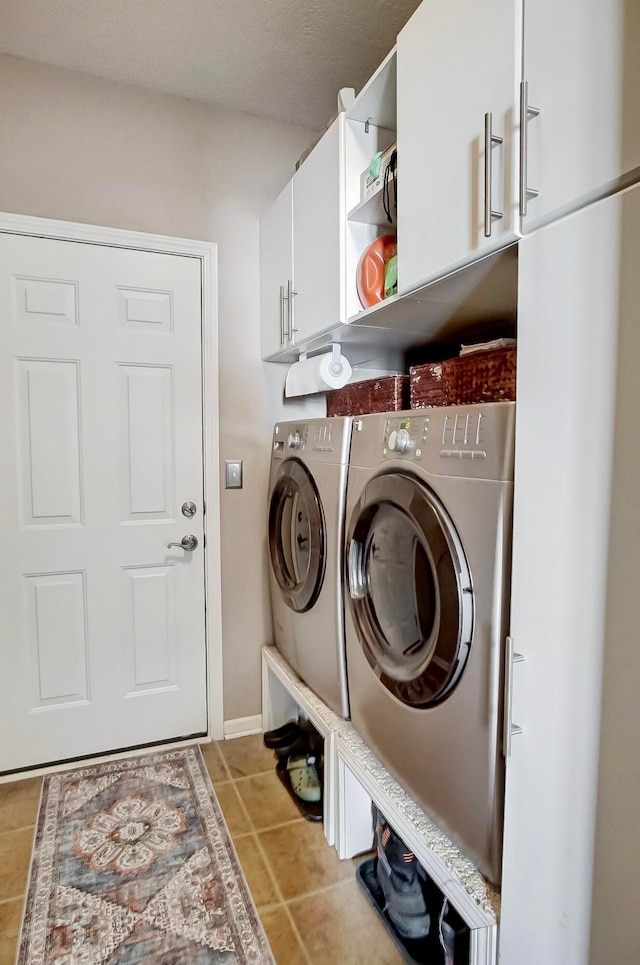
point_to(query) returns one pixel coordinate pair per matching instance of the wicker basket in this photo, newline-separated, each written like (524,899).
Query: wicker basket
(387,394)
(477,377)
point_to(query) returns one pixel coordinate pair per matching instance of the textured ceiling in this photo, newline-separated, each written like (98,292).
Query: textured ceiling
(284,59)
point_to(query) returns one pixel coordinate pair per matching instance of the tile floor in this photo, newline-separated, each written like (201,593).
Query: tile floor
(310,904)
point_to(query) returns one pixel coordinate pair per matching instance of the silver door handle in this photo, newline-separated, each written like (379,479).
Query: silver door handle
(489,140)
(509,729)
(291,329)
(186,543)
(357,582)
(525,113)
(283,299)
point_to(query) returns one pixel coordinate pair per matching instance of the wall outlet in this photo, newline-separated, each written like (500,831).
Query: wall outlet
(233,473)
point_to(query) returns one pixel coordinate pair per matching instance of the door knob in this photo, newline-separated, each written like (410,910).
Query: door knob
(186,543)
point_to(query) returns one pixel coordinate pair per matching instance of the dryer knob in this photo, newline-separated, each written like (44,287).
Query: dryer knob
(294,441)
(399,440)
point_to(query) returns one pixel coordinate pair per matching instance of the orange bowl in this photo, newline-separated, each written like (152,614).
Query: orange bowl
(370,270)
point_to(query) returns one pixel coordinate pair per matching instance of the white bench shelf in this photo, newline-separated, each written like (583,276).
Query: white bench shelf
(353,779)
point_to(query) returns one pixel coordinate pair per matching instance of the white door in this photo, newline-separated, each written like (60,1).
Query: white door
(456,64)
(576,276)
(587,133)
(102,633)
(318,245)
(276,272)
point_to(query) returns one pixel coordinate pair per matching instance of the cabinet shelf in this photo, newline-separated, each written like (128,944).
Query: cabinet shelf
(472,303)
(376,102)
(371,211)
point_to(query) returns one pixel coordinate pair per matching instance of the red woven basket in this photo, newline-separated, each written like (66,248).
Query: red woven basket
(477,377)
(390,393)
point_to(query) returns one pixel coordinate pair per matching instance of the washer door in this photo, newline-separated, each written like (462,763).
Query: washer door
(410,589)
(297,542)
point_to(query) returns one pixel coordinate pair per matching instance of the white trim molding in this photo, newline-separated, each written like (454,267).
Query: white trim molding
(207,253)
(242,726)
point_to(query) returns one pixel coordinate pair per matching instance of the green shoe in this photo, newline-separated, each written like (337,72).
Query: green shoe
(303,775)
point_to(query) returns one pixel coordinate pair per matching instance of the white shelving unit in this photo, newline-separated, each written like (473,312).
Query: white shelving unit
(371,211)
(477,302)
(353,779)
(285,697)
(370,128)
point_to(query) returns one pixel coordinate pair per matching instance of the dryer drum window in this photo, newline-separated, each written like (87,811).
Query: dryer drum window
(410,589)
(297,543)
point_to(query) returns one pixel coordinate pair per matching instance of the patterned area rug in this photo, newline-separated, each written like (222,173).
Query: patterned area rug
(133,863)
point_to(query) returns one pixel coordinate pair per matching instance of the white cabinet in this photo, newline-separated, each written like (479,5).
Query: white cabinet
(302,250)
(582,68)
(575,608)
(318,237)
(370,130)
(458,71)
(276,267)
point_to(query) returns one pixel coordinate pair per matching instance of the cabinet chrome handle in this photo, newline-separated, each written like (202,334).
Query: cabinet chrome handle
(525,113)
(283,299)
(188,543)
(489,140)
(509,729)
(357,583)
(291,330)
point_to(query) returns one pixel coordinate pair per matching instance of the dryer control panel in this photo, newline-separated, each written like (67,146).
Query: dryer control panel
(471,440)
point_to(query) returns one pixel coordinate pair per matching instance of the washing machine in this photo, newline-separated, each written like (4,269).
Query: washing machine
(428,537)
(307,492)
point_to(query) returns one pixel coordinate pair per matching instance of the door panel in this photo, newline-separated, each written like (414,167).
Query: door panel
(57,637)
(150,613)
(147,445)
(276,271)
(318,246)
(103,630)
(456,63)
(49,456)
(587,134)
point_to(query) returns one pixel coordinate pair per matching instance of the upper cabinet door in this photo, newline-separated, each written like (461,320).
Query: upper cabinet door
(582,70)
(318,237)
(276,272)
(458,69)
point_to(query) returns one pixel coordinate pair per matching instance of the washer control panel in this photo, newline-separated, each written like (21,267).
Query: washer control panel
(463,436)
(325,440)
(404,435)
(474,441)
(451,435)
(322,437)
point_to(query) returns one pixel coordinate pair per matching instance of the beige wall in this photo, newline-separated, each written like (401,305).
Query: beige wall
(81,149)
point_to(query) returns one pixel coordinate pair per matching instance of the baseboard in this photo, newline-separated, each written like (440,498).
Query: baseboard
(242,726)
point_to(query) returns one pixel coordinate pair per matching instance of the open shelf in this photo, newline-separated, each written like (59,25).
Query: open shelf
(354,779)
(371,211)
(376,102)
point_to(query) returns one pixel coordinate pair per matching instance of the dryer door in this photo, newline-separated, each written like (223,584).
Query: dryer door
(410,589)
(297,542)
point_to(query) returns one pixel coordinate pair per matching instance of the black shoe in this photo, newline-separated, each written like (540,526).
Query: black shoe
(282,736)
(401,878)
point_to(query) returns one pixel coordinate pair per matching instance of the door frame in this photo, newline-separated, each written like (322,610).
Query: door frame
(207,253)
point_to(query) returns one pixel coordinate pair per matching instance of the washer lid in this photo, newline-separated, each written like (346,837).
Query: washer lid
(410,589)
(297,540)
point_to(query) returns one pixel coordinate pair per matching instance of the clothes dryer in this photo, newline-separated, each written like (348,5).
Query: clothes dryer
(307,492)
(429,508)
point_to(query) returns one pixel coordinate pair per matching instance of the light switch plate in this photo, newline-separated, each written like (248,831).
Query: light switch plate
(233,473)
